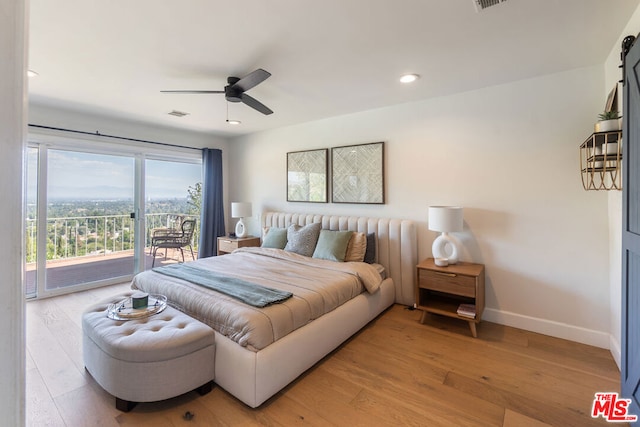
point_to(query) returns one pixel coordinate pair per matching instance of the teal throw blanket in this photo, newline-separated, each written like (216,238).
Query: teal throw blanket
(247,292)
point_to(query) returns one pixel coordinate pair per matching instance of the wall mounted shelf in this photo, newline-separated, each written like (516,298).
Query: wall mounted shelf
(601,161)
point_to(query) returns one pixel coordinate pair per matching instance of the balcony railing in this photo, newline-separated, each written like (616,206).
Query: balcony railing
(71,237)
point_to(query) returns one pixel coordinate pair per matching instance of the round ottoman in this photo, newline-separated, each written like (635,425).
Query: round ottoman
(150,359)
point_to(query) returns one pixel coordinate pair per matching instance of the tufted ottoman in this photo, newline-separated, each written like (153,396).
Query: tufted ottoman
(149,359)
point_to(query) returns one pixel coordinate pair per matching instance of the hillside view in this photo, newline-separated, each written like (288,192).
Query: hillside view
(92,227)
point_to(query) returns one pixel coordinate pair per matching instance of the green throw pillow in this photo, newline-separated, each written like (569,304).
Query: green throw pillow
(275,238)
(332,245)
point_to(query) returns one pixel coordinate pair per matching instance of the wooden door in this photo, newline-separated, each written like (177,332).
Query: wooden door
(630,375)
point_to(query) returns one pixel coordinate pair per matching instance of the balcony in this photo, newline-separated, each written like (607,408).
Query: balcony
(88,249)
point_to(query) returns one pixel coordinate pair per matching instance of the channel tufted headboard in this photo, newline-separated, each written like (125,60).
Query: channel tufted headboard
(397,243)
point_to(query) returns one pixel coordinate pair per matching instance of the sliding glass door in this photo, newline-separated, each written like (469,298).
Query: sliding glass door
(173,191)
(91,215)
(90,229)
(80,223)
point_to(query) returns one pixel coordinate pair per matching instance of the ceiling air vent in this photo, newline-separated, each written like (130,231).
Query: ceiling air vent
(178,113)
(483,4)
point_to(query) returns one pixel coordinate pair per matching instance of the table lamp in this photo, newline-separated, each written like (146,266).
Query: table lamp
(446,219)
(240,210)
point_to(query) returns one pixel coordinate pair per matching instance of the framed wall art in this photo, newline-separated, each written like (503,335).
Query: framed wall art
(358,173)
(307,176)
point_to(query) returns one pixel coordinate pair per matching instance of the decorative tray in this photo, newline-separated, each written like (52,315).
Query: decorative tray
(124,310)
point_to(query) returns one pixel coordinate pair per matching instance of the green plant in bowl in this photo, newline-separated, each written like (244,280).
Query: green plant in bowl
(609,115)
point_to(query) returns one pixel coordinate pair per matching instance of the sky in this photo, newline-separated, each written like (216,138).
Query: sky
(76,175)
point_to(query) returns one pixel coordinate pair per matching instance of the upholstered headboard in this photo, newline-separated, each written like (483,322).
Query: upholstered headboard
(397,244)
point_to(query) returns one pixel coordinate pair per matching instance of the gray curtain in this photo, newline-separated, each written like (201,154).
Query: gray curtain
(212,212)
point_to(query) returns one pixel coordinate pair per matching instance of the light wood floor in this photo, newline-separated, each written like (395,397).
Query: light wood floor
(394,372)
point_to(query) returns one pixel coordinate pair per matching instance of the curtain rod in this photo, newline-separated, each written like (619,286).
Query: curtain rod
(113,136)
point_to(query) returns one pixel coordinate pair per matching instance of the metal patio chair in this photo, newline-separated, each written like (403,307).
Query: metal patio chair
(174,240)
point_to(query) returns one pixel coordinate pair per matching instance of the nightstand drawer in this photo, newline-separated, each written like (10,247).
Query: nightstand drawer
(452,283)
(227,245)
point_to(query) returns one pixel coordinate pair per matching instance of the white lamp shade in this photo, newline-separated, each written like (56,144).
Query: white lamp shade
(445,218)
(240,210)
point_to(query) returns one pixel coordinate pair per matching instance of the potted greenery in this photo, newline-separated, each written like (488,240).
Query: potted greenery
(609,121)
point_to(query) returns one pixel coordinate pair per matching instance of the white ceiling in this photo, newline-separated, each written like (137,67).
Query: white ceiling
(327,58)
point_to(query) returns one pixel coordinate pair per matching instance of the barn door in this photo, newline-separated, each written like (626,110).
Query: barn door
(630,377)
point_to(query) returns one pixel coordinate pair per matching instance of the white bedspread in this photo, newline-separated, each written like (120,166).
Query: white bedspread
(318,286)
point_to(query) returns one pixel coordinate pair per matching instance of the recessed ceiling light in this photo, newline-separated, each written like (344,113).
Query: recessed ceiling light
(408,78)
(32,73)
(234,122)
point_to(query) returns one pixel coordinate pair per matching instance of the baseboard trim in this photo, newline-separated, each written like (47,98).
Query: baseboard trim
(616,352)
(552,328)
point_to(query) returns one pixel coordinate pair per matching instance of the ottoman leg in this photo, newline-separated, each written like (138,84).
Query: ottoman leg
(205,388)
(124,405)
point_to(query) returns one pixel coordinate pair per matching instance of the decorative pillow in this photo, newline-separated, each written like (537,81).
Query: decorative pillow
(275,238)
(332,245)
(302,240)
(356,248)
(370,254)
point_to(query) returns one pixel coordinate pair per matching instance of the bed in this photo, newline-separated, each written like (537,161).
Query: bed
(254,368)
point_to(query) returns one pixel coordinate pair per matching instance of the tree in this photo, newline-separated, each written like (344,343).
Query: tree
(194,199)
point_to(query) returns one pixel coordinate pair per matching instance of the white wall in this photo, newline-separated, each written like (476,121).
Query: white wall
(12,132)
(508,154)
(612,75)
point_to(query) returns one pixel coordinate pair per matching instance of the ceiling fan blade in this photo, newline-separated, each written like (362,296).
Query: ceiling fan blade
(255,104)
(252,79)
(192,91)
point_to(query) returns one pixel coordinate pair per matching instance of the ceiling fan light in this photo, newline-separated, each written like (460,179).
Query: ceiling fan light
(409,78)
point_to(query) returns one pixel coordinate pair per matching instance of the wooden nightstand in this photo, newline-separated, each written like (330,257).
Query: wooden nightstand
(441,290)
(227,245)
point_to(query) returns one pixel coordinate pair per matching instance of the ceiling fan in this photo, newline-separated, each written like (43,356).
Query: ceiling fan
(236,88)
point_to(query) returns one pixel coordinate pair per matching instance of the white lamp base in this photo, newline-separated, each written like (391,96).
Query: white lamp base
(241,231)
(439,248)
